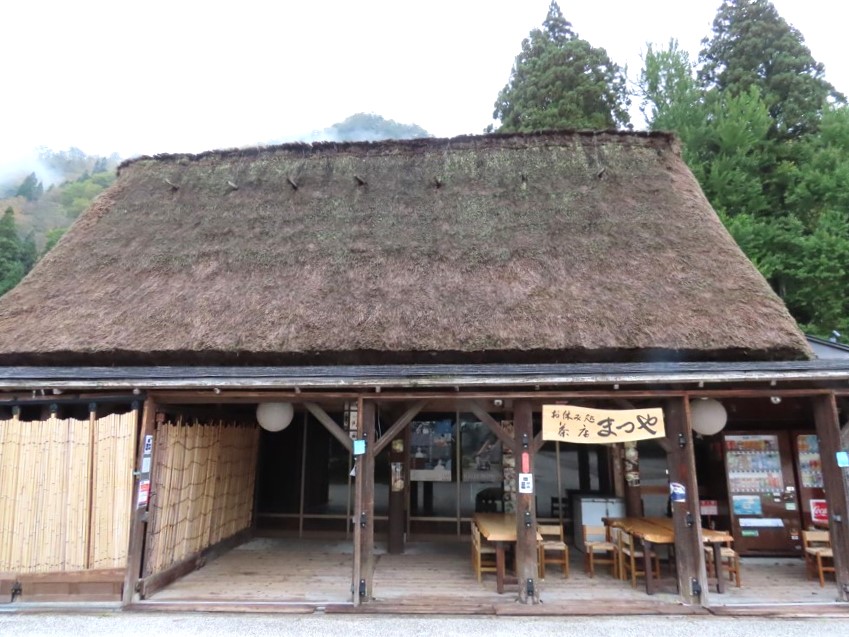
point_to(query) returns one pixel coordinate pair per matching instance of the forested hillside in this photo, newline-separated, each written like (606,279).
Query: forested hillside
(39,202)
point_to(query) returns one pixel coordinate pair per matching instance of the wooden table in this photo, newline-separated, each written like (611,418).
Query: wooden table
(500,529)
(662,531)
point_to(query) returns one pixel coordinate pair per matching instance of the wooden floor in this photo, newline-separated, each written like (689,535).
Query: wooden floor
(309,574)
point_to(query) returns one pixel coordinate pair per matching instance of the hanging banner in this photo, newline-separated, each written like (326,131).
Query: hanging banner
(584,425)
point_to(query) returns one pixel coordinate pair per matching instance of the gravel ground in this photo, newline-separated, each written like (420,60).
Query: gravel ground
(175,624)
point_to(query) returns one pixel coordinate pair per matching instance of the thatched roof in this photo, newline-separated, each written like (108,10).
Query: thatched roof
(552,247)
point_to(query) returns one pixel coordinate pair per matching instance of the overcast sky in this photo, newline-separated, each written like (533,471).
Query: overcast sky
(184,76)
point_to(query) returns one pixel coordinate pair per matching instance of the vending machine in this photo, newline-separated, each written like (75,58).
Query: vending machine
(764,501)
(811,490)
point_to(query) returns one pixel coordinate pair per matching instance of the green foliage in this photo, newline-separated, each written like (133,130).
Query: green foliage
(562,81)
(370,127)
(820,172)
(730,153)
(17,256)
(31,188)
(72,163)
(671,98)
(52,239)
(39,209)
(771,154)
(78,195)
(752,45)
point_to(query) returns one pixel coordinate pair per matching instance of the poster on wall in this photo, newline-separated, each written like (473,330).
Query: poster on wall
(819,512)
(747,505)
(480,454)
(810,467)
(431,450)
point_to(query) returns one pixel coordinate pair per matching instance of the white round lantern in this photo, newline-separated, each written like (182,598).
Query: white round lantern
(274,416)
(708,416)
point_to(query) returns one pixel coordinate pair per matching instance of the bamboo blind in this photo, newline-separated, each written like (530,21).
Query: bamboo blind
(65,488)
(202,488)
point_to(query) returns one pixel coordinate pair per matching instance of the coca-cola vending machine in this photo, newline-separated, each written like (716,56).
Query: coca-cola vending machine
(775,490)
(809,471)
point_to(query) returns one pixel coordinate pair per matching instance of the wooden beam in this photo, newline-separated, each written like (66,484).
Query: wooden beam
(492,423)
(538,442)
(527,567)
(331,425)
(138,518)
(689,553)
(837,492)
(398,426)
(453,396)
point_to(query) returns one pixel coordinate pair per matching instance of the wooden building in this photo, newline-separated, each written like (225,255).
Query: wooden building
(406,294)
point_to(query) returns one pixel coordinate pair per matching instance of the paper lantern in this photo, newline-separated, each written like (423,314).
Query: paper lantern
(708,416)
(274,416)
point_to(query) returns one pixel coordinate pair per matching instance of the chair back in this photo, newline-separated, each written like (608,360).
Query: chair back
(476,535)
(626,542)
(816,539)
(550,531)
(596,534)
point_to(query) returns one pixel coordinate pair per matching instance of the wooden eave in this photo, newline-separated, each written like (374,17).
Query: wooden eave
(833,372)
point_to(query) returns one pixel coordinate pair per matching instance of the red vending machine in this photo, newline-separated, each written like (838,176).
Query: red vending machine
(811,490)
(762,497)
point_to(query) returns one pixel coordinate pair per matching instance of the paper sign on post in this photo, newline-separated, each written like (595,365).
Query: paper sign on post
(526,483)
(144,493)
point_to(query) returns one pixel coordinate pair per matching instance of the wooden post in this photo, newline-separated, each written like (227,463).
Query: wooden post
(689,553)
(631,470)
(584,477)
(526,525)
(356,524)
(603,463)
(364,509)
(138,519)
(92,443)
(828,431)
(397,481)
(617,454)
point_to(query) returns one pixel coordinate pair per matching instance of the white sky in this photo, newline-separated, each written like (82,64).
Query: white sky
(185,76)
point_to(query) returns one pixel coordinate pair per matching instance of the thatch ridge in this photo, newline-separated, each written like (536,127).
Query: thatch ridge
(543,247)
(415,144)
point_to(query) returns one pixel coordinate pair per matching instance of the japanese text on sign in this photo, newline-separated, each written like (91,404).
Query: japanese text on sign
(601,426)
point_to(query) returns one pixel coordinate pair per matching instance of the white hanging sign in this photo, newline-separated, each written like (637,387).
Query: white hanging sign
(526,483)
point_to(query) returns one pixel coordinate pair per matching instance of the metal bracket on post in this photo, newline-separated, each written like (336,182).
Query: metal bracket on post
(695,587)
(363,519)
(529,588)
(362,589)
(690,521)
